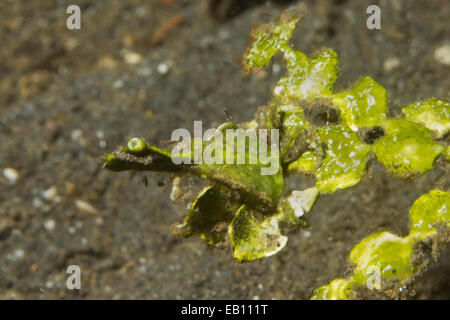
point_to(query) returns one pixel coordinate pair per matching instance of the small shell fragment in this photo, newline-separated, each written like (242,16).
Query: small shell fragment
(86,207)
(176,191)
(11,174)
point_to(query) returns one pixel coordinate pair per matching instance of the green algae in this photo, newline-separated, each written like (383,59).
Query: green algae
(338,289)
(429,209)
(391,256)
(364,105)
(434,114)
(307,163)
(407,149)
(387,252)
(308,78)
(267,40)
(345,159)
(254,236)
(213,208)
(294,126)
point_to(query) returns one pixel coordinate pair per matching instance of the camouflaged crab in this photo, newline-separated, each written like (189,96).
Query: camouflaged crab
(254,208)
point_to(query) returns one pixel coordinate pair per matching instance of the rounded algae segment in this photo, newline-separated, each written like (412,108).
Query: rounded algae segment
(434,114)
(407,148)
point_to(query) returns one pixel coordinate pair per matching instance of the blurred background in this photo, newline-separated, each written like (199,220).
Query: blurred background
(145,68)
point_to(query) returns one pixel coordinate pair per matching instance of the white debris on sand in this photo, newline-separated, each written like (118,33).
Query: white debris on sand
(390,64)
(50,225)
(176,193)
(18,254)
(442,54)
(164,67)
(11,174)
(77,136)
(276,68)
(132,57)
(51,194)
(86,207)
(306,234)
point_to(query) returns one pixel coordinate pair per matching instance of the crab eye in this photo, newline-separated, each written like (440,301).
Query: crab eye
(136,145)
